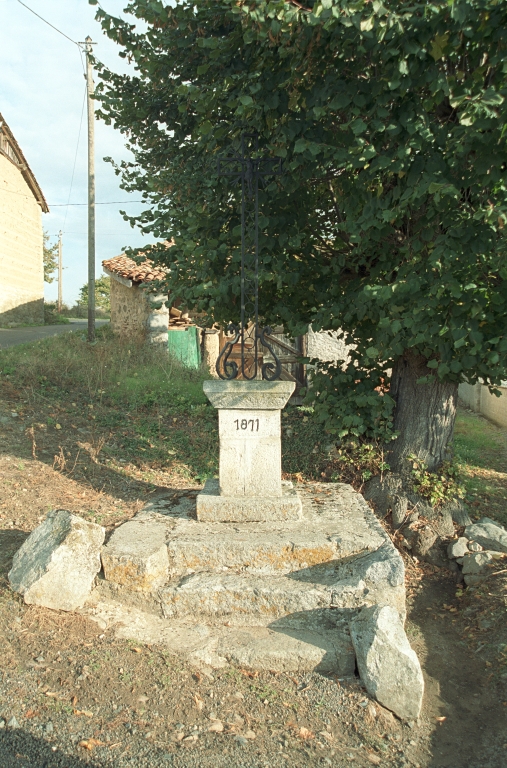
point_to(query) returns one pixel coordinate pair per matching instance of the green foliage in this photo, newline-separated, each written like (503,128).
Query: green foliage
(50,257)
(389,220)
(437,487)
(102,294)
(359,460)
(52,316)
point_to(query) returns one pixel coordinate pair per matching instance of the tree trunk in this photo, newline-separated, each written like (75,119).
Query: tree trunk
(424,414)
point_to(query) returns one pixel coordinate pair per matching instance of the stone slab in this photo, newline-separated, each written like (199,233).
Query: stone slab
(211,506)
(249,395)
(310,596)
(388,666)
(336,525)
(329,652)
(136,555)
(56,565)
(283,650)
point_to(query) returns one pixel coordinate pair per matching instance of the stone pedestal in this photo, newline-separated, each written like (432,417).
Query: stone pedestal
(250,484)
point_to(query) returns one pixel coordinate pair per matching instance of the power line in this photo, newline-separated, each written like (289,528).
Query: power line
(48,23)
(111,202)
(64,205)
(75,159)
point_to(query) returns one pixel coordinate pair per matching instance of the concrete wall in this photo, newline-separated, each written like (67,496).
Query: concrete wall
(478,398)
(22,283)
(134,317)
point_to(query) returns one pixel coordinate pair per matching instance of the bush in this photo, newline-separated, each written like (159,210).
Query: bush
(51,315)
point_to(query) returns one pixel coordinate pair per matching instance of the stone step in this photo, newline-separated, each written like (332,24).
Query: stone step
(309,596)
(251,647)
(337,525)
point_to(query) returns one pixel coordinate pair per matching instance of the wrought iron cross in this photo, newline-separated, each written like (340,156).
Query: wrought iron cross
(248,167)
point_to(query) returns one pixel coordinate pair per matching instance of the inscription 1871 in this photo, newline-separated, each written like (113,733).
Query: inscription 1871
(251,424)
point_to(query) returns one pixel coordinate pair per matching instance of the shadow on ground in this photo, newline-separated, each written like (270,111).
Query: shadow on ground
(459,687)
(19,749)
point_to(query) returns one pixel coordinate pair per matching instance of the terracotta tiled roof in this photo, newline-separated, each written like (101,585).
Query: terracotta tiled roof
(138,273)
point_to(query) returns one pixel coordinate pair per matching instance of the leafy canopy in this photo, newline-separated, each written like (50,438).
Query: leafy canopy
(102,294)
(49,257)
(389,222)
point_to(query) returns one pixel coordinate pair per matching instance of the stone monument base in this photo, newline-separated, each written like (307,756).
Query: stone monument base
(211,507)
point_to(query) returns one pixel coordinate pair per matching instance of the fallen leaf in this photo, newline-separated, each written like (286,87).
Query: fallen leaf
(440,719)
(143,699)
(249,673)
(137,650)
(250,735)
(31,713)
(216,726)
(84,712)
(199,703)
(58,426)
(91,744)
(375,759)
(73,701)
(51,694)
(305,733)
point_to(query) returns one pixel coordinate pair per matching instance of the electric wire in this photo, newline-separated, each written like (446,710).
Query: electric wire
(75,161)
(56,30)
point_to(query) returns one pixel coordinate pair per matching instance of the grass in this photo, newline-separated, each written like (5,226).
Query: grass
(147,417)
(481,453)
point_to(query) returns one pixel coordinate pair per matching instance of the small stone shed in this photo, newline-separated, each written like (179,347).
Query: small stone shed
(137,310)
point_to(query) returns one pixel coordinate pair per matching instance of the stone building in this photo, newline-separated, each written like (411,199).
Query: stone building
(136,311)
(21,206)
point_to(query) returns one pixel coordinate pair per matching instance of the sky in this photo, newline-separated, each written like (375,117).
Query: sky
(42,90)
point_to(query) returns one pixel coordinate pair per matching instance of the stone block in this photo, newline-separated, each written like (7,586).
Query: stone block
(308,595)
(211,506)
(255,597)
(250,453)
(265,551)
(249,395)
(388,666)
(489,534)
(56,565)
(326,651)
(136,555)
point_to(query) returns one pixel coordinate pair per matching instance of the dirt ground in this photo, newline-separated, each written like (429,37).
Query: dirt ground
(81,697)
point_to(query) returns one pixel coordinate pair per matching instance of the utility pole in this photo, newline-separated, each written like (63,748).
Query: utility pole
(60,271)
(91,191)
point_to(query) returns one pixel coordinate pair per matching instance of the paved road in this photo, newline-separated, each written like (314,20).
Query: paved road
(9,337)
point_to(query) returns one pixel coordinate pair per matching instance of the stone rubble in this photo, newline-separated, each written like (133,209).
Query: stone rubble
(57,564)
(488,534)
(457,548)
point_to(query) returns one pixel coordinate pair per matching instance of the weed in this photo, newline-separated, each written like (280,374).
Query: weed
(264,692)
(436,487)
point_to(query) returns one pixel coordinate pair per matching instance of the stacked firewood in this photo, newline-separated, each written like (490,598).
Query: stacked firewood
(178,318)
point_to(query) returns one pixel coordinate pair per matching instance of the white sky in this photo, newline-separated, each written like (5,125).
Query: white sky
(41,98)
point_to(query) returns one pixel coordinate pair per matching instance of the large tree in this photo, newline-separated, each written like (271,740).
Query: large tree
(388,222)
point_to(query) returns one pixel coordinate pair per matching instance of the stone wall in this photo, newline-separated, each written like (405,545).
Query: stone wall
(132,313)
(325,346)
(22,284)
(478,398)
